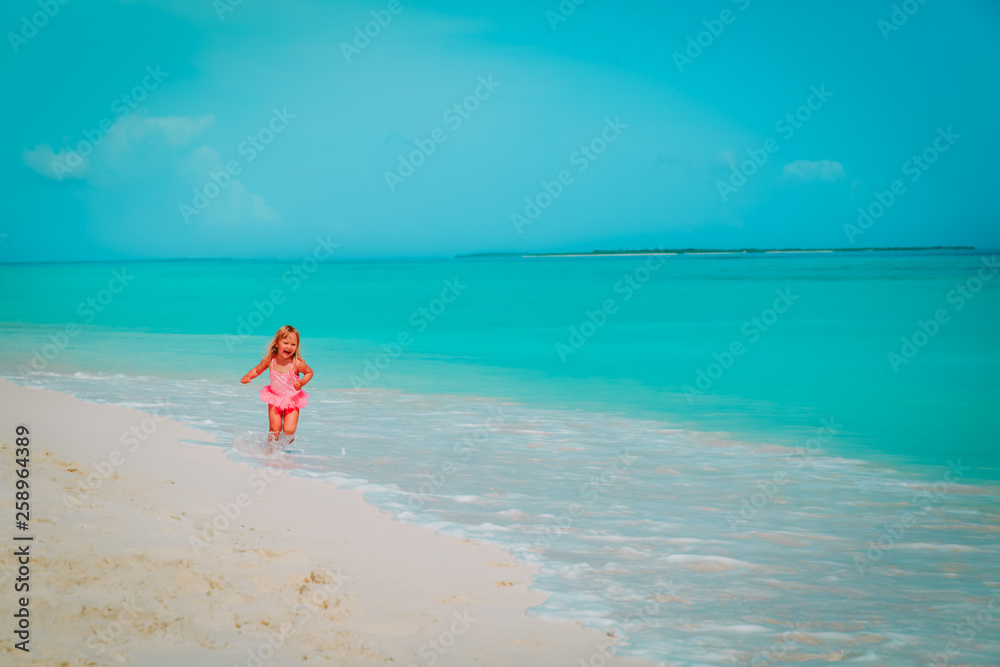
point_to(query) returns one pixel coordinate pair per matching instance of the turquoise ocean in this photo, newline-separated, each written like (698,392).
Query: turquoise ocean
(717,459)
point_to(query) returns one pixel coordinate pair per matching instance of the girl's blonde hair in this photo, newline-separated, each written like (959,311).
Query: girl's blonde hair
(272,348)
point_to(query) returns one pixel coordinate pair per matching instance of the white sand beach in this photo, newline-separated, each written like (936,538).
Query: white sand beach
(297,572)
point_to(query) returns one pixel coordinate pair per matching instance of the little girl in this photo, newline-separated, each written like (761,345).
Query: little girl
(284,396)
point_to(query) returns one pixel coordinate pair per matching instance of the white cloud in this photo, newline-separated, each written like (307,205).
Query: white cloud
(815,170)
(140,149)
(54,165)
(112,155)
(177,130)
(135,132)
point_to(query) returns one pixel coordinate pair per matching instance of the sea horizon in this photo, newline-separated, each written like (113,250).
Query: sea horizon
(375,259)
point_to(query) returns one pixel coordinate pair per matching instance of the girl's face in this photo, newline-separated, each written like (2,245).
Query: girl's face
(287,346)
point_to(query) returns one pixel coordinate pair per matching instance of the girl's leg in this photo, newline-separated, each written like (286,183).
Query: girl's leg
(273,423)
(291,422)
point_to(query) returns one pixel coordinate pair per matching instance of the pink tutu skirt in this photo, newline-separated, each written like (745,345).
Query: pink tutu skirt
(284,402)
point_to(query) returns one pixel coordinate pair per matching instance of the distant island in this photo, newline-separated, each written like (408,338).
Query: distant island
(708,251)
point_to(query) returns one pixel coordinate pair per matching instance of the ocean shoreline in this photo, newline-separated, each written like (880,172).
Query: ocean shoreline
(757,438)
(681,551)
(133,535)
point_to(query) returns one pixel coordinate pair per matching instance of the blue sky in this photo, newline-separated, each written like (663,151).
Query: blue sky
(315,137)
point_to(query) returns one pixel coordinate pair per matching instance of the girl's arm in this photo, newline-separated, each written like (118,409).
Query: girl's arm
(307,374)
(255,371)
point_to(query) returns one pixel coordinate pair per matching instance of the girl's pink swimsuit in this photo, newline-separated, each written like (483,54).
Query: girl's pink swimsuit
(281,393)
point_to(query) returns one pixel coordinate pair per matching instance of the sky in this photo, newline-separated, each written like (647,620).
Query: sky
(147,129)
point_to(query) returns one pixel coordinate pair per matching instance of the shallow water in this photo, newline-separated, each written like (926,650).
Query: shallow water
(687,548)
